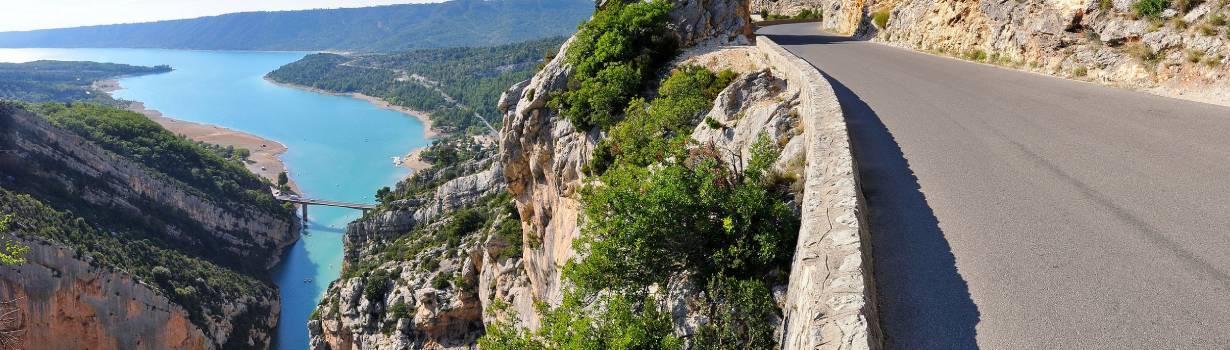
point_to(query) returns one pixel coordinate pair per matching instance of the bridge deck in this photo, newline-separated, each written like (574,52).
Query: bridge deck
(327,203)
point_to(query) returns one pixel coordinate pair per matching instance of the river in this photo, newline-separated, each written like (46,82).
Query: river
(339,148)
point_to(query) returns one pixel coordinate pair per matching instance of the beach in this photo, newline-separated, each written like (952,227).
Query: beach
(264,155)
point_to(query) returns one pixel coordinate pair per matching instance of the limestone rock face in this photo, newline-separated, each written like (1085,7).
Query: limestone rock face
(423,305)
(1080,39)
(756,104)
(68,303)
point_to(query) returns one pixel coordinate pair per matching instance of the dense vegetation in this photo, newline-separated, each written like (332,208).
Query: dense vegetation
(474,77)
(11,252)
(134,136)
(383,28)
(614,56)
(661,212)
(63,81)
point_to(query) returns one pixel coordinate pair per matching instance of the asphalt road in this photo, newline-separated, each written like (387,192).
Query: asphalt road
(1012,210)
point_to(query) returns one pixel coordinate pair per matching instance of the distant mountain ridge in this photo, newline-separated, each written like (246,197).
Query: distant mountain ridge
(368,29)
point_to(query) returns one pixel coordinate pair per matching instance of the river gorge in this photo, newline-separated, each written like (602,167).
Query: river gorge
(338,147)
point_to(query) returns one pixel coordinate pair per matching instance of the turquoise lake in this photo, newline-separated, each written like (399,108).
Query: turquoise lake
(340,148)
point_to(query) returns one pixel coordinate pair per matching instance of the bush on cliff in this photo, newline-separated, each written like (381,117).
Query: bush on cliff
(1150,8)
(665,209)
(614,55)
(650,129)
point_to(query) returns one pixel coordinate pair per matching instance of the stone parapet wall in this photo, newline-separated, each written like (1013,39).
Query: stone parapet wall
(830,303)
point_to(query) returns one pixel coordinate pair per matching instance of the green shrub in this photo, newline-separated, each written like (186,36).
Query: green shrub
(376,286)
(651,129)
(1150,8)
(400,310)
(713,123)
(880,18)
(810,14)
(696,214)
(1080,71)
(613,55)
(441,281)
(740,313)
(976,55)
(1106,5)
(619,323)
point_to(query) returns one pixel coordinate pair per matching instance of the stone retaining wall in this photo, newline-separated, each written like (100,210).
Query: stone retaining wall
(830,303)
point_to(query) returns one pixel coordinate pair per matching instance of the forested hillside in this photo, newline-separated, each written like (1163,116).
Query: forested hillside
(473,77)
(46,81)
(132,198)
(383,28)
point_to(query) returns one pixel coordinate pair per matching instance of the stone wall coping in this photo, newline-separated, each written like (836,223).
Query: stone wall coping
(830,302)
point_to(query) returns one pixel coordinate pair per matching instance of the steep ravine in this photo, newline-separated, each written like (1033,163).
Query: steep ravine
(81,290)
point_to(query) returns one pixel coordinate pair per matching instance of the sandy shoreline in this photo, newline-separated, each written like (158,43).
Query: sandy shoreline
(264,159)
(412,160)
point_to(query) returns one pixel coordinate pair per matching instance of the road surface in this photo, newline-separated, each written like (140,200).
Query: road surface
(1011,210)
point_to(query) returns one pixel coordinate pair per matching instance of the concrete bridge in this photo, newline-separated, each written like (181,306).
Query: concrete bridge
(304,202)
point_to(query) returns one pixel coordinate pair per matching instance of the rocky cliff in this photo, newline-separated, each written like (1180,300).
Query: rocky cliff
(411,278)
(1180,52)
(168,271)
(542,153)
(431,269)
(1179,49)
(66,302)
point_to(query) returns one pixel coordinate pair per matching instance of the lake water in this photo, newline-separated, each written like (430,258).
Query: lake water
(339,147)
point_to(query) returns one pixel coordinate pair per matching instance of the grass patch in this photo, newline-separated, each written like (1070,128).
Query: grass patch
(880,19)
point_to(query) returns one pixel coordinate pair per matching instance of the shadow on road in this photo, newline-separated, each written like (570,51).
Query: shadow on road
(791,39)
(923,302)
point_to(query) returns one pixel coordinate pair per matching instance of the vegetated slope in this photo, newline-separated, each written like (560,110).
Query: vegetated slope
(382,28)
(673,234)
(451,84)
(46,81)
(175,219)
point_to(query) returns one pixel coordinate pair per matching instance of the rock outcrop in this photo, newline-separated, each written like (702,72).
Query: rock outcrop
(404,286)
(1179,52)
(65,302)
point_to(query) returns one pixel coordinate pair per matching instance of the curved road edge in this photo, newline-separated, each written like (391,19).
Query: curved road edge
(831,300)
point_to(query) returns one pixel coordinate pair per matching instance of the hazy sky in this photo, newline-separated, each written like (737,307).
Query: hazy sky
(41,14)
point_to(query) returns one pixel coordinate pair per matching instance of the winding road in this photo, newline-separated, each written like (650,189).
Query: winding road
(1011,210)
